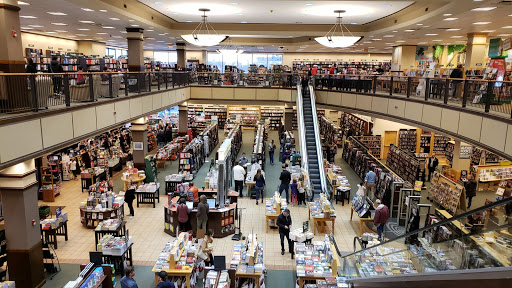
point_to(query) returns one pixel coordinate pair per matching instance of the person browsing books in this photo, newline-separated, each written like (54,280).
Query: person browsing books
(127,281)
(369,182)
(163,282)
(239,176)
(284,222)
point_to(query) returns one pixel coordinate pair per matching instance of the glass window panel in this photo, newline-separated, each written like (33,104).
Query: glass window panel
(161,56)
(244,60)
(230,59)
(275,59)
(215,59)
(260,59)
(173,57)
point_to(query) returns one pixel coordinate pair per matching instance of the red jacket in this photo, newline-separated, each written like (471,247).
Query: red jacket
(381,214)
(182,213)
(314,71)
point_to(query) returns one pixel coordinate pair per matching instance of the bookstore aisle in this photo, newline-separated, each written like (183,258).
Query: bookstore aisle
(147,227)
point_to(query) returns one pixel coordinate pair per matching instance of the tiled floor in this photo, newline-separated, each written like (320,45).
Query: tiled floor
(147,227)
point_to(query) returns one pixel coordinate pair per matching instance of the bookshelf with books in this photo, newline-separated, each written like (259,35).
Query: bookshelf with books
(247,260)
(330,131)
(355,126)
(92,64)
(407,140)
(50,185)
(425,143)
(447,193)
(274,115)
(219,111)
(373,143)
(448,152)
(248,115)
(316,261)
(483,157)
(440,143)
(403,163)
(196,119)
(111,63)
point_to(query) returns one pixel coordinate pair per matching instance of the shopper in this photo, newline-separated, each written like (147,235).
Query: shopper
(381,217)
(260,185)
(160,138)
(192,193)
(31,67)
(360,189)
(314,71)
(163,282)
(243,160)
(284,222)
(369,183)
(457,73)
(271,149)
(304,82)
(80,79)
(183,213)
(202,213)
(207,247)
(168,134)
(294,188)
(285,178)
(302,193)
(285,158)
(55,67)
(129,196)
(104,76)
(470,187)
(73,167)
(432,164)
(128,281)
(239,176)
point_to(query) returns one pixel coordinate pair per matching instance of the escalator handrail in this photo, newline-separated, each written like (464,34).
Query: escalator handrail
(302,137)
(440,223)
(317,141)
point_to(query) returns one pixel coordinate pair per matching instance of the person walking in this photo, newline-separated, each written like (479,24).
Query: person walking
(160,138)
(294,188)
(207,247)
(285,178)
(183,218)
(74,168)
(129,196)
(127,281)
(260,185)
(432,165)
(470,187)
(271,150)
(369,183)
(163,282)
(381,217)
(202,213)
(284,222)
(31,67)
(457,73)
(244,160)
(239,176)
(168,134)
(55,67)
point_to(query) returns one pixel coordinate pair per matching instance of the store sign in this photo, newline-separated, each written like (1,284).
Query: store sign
(69,49)
(478,64)
(50,47)
(30,45)
(60,49)
(495,48)
(138,146)
(506,44)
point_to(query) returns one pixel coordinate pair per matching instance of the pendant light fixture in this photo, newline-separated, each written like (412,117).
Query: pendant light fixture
(333,40)
(204,34)
(229,49)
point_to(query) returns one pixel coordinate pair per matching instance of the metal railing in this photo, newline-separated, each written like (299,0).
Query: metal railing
(20,92)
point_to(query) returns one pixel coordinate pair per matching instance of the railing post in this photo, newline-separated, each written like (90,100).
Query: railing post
(138,80)
(391,86)
(67,96)
(158,74)
(126,86)
(173,78)
(465,94)
(427,88)
(166,78)
(374,84)
(149,81)
(489,96)
(33,92)
(409,84)
(110,85)
(91,88)
(446,90)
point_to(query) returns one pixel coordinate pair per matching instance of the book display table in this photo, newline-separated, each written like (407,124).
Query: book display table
(322,212)
(148,194)
(247,260)
(305,253)
(109,227)
(273,207)
(50,234)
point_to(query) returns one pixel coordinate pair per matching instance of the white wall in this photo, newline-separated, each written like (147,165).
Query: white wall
(381,125)
(288,58)
(35,41)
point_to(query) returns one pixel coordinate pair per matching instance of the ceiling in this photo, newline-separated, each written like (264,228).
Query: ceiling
(277,11)
(422,22)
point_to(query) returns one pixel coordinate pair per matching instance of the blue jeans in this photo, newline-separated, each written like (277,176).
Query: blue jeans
(259,190)
(284,187)
(271,156)
(380,230)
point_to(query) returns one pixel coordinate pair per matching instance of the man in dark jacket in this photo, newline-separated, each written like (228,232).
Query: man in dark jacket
(285,178)
(31,67)
(457,73)
(55,67)
(163,282)
(432,164)
(470,187)
(381,217)
(284,221)
(168,134)
(160,138)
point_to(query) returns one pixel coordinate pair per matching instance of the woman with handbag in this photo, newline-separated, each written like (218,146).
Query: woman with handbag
(260,185)
(206,249)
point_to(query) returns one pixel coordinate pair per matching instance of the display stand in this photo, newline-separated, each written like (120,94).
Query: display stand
(148,194)
(447,193)
(327,266)
(50,189)
(273,207)
(99,232)
(322,212)
(250,261)
(50,235)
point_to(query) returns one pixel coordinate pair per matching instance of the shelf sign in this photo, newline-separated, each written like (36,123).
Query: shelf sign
(478,64)
(30,45)
(69,49)
(50,47)
(60,49)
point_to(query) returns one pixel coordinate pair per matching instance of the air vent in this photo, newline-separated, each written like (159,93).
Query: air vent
(508,2)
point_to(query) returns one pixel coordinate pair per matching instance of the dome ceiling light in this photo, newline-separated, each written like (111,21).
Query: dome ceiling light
(229,49)
(204,34)
(333,40)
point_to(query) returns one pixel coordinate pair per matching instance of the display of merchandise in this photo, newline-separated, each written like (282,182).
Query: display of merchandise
(275,204)
(483,157)
(448,194)
(247,259)
(196,118)
(494,173)
(236,142)
(407,140)
(95,278)
(425,142)
(448,152)
(331,132)
(115,246)
(274,115)
(403,163)
(259,146)
(192,157)
(50,184)
(212,177)
(210,113)
(361,206)
(170,150)
(440,143)
(334,282)
(54,223)
(355,126)
(346,68)
(316,260)
(100,206)
(465,151)
(248,116)
(322,207)
(373,143)
(210,136)
(8,284)
(217,279)
(381,261)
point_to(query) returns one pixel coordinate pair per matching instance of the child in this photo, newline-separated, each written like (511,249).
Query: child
(295,191)
(302,195)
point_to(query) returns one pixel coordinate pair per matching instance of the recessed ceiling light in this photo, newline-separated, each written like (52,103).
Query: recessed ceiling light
(124,32)
(484,9)
(150,30)
(134,25)
(51,32)
(61,31)
(23,3)
(447,14)
(57,13)
(456,36)
(390,43)
(160,41)
(453,29)
(431,34)
(388,48)
(376,39)
(86,21)
(400,41)
(367,42)
(101,33)
(188,21)
(504,35)
(371,47)
(233,3)
(36,26)
(60,24)
(409,30)
(83,29)
(388,36)
(28,17)
(243,22)
(80,34)
(422,42)
(159,3)
(150,38)
(87,10)
(103,10)
(437,40)
(419,24)
(481,23)
(108,27)
(354,23)
(131,20)
(240,14)
(26,28)
(488,31)
(394,31)
(450,19)
(507,27)
(115,19)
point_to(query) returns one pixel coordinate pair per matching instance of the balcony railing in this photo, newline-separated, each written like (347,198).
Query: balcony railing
(34,92)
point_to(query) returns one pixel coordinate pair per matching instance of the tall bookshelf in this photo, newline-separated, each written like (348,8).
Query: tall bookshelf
(220,112)
(407,140)
(248,115)
(425,143)
(373,143)
(49,186)
(440,143)
(275,116)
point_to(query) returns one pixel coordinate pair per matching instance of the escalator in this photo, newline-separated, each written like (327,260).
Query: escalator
(447,253)
(309,135)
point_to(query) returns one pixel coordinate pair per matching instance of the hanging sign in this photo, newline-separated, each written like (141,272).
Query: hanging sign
(30,45)
(506,44)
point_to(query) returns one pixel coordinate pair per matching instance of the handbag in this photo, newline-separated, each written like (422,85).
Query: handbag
(202,255)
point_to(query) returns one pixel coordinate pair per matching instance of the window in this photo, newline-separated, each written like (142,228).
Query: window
(111,52)
(260,59)
(161,56)
(229,59)
(275,59)
(244,61)
(215,59)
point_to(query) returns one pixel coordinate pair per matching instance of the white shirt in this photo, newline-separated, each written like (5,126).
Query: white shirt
(72,166)
(239,173)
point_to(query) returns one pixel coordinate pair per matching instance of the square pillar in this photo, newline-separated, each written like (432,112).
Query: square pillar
(140,139)
(180,51)
(476,51)
(183,120)
(135,49)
